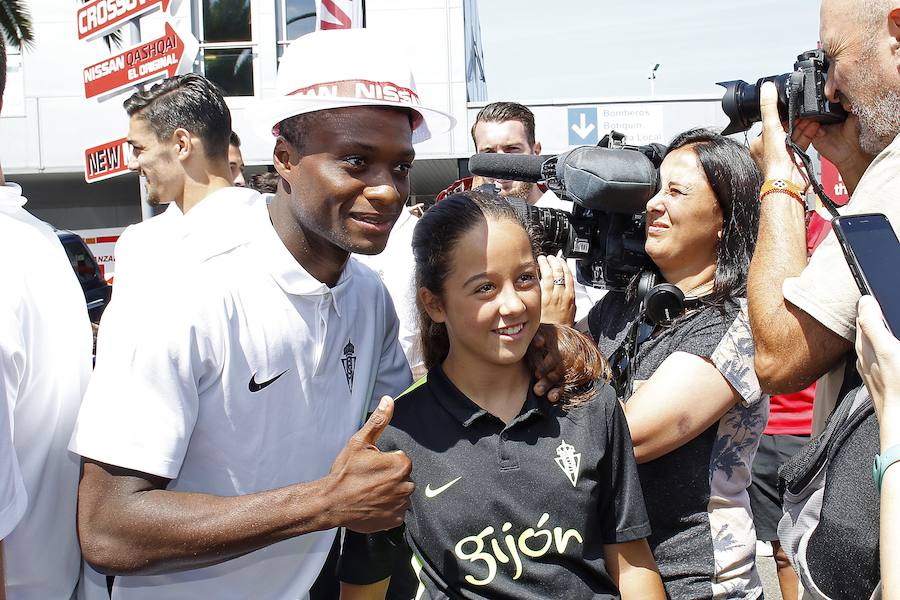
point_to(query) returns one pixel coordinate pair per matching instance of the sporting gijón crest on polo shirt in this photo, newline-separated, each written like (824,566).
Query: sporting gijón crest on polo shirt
(506,510)
(348,359)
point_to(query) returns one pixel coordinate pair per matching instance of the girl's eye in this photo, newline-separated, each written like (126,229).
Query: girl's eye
(528,277)
(485,288)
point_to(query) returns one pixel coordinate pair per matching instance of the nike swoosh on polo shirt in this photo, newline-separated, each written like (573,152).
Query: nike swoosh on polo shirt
(431,493)
(255,387)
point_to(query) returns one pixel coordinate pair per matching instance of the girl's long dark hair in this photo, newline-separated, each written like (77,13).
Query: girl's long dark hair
(735,180)
(434,239)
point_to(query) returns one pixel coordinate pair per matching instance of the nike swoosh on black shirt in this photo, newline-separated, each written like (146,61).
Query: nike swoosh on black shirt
(255,387)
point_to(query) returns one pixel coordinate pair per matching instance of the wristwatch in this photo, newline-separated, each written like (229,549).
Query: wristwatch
(882,462)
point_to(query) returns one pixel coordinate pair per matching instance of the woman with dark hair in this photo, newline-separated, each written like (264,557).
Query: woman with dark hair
(693,405)
(515,497)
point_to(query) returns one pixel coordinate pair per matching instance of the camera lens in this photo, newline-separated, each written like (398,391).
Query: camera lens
(552,224)
(741,102)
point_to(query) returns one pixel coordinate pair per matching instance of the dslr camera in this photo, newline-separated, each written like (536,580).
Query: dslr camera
(803,90)
(609,185)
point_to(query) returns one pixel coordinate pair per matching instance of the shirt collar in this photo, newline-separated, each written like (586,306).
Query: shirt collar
(11,197)
(467,412)
(219,222)
(289,274)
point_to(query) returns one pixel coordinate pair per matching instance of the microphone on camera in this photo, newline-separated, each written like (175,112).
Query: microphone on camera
(616,180)
(518,167)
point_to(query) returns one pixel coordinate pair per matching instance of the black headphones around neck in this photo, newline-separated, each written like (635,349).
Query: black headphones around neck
(662,302)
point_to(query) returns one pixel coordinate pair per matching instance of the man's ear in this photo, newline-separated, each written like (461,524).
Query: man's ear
(894,25)
(536,149)
(184,144)
(284,157)
(433,305)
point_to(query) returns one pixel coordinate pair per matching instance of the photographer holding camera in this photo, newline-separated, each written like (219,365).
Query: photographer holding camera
(696,412)
(803,315)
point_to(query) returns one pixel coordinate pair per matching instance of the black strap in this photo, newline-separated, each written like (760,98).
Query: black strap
(804,157)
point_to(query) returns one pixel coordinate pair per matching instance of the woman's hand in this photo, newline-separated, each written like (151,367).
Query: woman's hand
(878,361)
(557,291)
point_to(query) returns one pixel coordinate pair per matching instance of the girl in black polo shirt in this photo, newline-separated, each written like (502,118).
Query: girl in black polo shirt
(515,497)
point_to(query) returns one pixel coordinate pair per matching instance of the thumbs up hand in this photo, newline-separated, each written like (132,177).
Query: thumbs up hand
(372,488)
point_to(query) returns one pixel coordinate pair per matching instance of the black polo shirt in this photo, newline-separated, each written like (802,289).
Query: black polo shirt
(507,511)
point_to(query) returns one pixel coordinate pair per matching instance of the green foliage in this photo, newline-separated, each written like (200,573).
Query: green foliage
(15,22)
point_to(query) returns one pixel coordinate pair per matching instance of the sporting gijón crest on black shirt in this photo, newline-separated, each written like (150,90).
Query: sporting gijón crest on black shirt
(506,510)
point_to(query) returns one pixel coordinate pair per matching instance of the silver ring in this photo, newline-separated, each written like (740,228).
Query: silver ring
(559,281)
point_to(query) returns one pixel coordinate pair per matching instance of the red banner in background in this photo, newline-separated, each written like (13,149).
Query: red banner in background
(146,61)
(106,160)
(833,184)
(99,17)
(339,14)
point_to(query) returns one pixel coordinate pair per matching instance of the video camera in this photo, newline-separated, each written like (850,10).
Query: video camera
(609,185)
(804,88)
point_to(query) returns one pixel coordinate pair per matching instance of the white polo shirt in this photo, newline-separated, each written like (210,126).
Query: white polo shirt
(254,381)
(397,268)
(45,362)
(145,241)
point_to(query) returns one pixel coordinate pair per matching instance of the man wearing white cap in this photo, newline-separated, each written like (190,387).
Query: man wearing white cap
(221,461)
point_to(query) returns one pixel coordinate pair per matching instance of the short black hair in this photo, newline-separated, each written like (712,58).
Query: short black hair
(501,112)
(234,140)
(265,183)
(190,102)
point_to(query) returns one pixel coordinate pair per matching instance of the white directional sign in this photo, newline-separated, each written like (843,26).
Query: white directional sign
(583,126)
(641,124)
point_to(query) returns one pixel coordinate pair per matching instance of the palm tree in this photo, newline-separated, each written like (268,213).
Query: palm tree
(15,24)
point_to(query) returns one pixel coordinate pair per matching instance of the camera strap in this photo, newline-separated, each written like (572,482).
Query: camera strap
(807,162)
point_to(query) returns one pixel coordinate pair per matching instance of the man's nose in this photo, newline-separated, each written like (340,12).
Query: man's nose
(384,193)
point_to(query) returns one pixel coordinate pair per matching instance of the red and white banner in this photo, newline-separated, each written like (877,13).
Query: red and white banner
(106,160)
(339,14)
(100,17)
(833,184)
(139,64)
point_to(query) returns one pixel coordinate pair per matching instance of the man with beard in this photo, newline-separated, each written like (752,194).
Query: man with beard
(508,128)
(803,315)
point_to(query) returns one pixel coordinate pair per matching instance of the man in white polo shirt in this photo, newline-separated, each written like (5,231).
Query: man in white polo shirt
(180,132)
(45,362)
(220,452)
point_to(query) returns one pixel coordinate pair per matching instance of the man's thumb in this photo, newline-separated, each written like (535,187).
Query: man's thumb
(768,107)
(377,422)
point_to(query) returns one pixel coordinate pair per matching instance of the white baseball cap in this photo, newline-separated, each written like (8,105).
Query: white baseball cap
(340,68)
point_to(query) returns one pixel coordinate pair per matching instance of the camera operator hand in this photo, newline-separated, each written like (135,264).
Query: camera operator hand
(769,150)
(557,291)
(839,143)
(373,486)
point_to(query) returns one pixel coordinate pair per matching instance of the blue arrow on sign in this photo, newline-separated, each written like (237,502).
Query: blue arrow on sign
(583,126)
